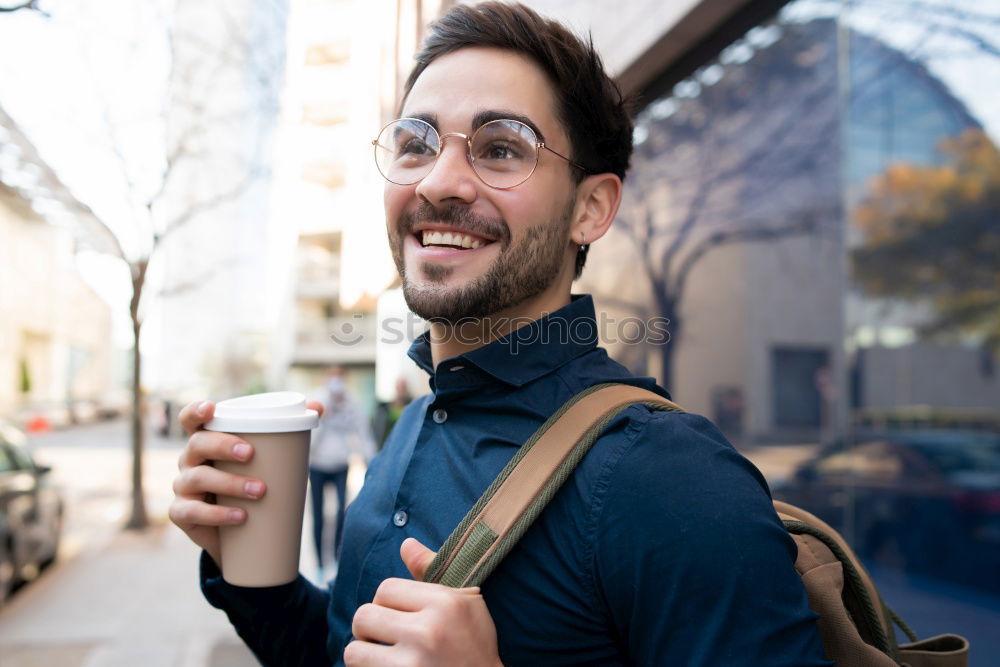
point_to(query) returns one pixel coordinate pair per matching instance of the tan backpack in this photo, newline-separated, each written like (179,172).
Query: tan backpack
(854,623)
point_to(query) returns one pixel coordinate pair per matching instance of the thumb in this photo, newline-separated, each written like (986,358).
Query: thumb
(416,557)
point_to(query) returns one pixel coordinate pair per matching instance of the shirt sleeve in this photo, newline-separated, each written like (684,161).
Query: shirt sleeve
(282,625)
(690,560)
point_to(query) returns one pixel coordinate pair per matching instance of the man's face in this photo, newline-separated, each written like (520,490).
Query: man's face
(523,232)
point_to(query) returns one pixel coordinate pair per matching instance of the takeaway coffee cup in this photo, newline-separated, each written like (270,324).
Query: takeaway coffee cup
(264,550)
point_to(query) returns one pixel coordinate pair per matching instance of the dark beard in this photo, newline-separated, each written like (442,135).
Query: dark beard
(520,271)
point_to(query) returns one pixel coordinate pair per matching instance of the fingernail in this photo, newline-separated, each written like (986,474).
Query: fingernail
(241,450)
(202,408)
(253,489)
(235,515)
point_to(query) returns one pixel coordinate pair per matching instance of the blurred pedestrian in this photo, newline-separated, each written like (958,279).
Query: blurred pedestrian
(343,433)
(388,413)
(168,409)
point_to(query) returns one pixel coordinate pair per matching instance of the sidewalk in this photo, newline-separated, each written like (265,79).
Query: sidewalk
(116,598)
(135,602)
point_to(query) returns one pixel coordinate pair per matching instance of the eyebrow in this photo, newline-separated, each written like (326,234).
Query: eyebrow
(482,117)
(488,115)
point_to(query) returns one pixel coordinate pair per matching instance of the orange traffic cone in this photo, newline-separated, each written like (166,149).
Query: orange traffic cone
(38,424)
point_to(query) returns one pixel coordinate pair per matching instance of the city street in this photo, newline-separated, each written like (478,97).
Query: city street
(115,598)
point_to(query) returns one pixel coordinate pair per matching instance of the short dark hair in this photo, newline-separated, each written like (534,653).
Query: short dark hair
(589,104)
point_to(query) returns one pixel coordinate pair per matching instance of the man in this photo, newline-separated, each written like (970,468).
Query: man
(343,433)
(662,548)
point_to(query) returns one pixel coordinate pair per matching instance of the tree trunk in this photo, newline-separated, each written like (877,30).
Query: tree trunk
(138,519)
(667,307)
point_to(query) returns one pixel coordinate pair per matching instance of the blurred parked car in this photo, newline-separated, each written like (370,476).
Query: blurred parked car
(923,501)
(31,512)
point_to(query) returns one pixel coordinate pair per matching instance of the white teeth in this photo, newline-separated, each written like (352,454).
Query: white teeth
(449,238)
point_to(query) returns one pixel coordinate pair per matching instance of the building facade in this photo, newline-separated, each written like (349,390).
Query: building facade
(347,60)
(754,151)
(56,356)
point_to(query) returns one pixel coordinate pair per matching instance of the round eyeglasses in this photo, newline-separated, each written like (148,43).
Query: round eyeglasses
(503,153)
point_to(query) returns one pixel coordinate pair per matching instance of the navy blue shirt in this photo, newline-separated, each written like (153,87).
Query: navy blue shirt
(662,548)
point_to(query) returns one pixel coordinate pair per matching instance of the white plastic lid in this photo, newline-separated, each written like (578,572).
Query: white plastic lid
(274,412)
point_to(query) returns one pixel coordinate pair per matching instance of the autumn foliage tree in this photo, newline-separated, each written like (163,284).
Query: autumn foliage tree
(932,235)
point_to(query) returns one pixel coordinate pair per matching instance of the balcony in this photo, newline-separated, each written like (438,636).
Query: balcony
(346,339)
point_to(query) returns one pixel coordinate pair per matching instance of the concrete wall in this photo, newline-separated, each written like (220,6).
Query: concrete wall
(928,374)
(49,318)
(796,301)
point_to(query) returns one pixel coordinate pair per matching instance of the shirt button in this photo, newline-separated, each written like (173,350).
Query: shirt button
(440,416)
(400,518)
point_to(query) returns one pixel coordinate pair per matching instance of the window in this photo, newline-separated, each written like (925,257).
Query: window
(798,375)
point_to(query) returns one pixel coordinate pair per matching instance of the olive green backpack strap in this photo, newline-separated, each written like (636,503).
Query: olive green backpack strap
(525,486)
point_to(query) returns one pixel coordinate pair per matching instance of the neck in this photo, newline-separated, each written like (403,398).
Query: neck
(449,340)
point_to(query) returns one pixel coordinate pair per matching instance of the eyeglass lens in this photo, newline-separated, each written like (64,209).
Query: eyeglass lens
(503,152)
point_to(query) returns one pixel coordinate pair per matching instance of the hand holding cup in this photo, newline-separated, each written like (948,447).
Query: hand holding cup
(215,468)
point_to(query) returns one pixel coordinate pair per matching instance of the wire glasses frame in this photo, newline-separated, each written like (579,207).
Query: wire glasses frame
(503,153)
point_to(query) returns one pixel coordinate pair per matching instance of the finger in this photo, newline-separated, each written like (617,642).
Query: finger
(199,480)
(364,654)
(193,415)
(374,623)
(186,513)
(416,557)
(408,595)
(214,446)
(315,405)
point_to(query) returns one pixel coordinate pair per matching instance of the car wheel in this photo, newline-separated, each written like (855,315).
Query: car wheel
(6,569)
(56,538)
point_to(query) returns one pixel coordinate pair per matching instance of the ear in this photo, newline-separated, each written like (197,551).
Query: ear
(597,201)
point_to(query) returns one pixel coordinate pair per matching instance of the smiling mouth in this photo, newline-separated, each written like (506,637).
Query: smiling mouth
(457,241)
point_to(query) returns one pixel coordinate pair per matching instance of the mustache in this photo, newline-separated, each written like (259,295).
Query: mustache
(459,216)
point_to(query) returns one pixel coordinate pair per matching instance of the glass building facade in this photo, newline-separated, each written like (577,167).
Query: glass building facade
(816,210)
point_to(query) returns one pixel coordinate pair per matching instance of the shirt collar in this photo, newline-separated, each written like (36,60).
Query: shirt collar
(530,351)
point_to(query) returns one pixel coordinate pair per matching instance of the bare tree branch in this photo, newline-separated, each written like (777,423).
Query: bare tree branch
(910,7)
(691,217)
(197,281)
(109,235)
(807,224)
(30,5)
(194,210)
(977,41)
(174,157)
(116,149)
(628,227)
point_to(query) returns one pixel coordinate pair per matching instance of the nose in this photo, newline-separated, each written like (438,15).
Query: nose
(451,178)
